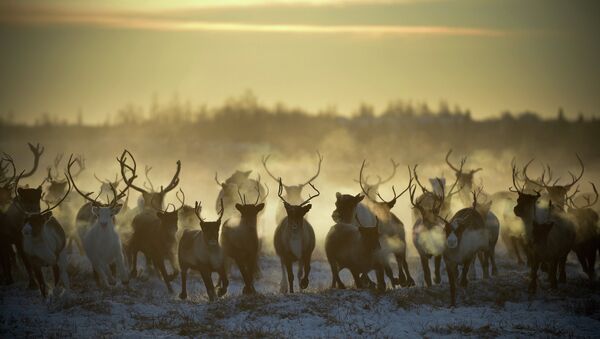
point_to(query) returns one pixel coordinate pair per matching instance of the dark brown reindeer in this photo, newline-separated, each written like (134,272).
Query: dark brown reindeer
(200,250)
(587,239)
(465,178)
(239,237)
(293,193)
(357,249)
(549,241)
(294,241)
(152,215)
(26,200)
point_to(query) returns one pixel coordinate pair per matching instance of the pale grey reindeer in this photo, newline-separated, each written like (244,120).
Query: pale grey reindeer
(44,243)
(239,238)
(294,241)
(200,250)
(293,193)
(101,241)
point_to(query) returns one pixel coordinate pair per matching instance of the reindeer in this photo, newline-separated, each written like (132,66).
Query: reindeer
(237,182)
(587,235)
(26,200)
(294,240)
(465,178)
(151,208)
(200,250)
(357,249)
(548,241)
(492,225)
(466,236)
(55,189)
(428,231)
(391,230)
(373,188)
(239,237)
(85,216)
(293,193)
(429,198)
(101,241)
(44,243)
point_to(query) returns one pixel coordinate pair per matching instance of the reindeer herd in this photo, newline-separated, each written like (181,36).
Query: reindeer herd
(537,218)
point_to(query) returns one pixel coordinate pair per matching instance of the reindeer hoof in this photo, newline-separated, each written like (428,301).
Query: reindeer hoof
(248,290)
(437,280)
(410,282)
(182,296)
(303,284)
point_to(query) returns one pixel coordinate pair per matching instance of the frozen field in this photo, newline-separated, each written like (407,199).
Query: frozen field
(496,307)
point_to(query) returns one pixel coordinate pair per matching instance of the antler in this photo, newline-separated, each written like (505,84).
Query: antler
(198,209)
(48,209)
(280,192)
(320,157)
(394,167)
(587,199)
(149,184)
(360,178)
(37,151)
(122,160)
(515,188)
(8,180)
(174,181)
(258,191)
(462,162)
(576,179)
(217,180)
(423,189)
(264,162)
(86,196)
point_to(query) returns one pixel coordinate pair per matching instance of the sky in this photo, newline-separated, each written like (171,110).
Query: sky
(66,56)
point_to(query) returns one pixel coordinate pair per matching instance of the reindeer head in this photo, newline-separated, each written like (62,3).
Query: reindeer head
(210,229)
(465,178)
(296,213)
(293,194)
(369,235)
(371,189)
(35,221)
(170,219)
(152,199)
(57,186)
(389,204)
(345,207)
(525,202)
(573,207)
(430,204)
(559,193)
(104,212)
(249,211)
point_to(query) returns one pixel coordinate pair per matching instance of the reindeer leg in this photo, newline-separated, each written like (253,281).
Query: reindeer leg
(133,258)
(591,263)
(409,280)
(426,271)
(493,261)
(283,285)
(40,280)
(208,283)
(304,281)
(402,280)
(390,274)
(515,245)
(358,282)
(451,271)
(55,273)
(562,277)
(438,263)
(465,271)
(223,282)
(535,265)
(23,256)
(183,293)
(290,274)
(159,263)
(121,272)
(552,273)
(7,253)
(380,279)
(335,276)
(483,259)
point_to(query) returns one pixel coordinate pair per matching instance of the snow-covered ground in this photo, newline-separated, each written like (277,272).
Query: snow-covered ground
(496,307)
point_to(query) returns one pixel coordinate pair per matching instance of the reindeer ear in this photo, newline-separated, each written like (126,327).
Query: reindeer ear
(260,206)
(116,209)
(359,197)
(247,173)
(391,204)
(338,195)
(306,208)
(238,207)
(20,191)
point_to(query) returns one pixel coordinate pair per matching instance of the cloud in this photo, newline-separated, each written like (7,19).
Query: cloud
(157,21)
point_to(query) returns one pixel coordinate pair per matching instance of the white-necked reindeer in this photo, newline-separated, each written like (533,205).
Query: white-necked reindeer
(293,193)
(239,238)
(200,250)
(294,241)
(44,243)
(465,179)
(392,236)
(428,231)
(101,242)
(466,237)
